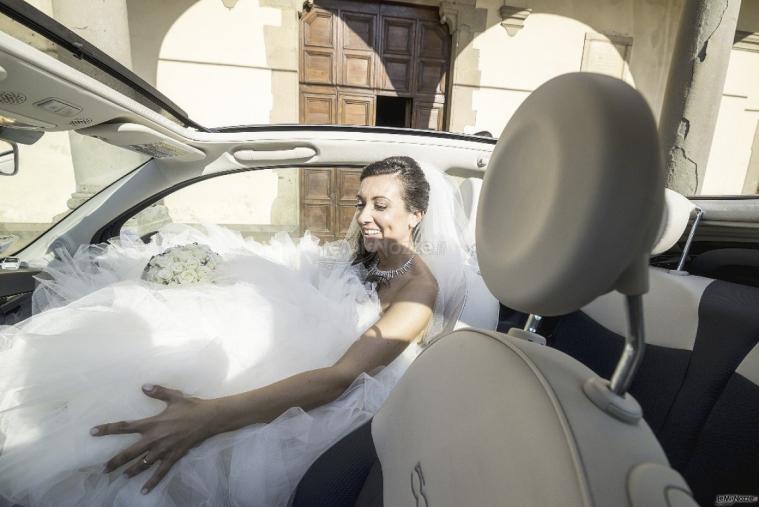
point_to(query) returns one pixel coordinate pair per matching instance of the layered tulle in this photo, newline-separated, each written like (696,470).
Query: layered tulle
(100,332)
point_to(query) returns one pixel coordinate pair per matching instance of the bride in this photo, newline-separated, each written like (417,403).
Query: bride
(249,379)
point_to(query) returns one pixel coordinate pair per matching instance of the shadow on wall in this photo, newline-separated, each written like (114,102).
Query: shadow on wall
(220,65)
(509,55)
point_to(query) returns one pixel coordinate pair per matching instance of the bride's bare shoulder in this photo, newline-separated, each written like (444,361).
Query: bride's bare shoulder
(422,279)
(418,285)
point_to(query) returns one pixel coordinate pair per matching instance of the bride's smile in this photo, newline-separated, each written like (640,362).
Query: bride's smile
(385,219)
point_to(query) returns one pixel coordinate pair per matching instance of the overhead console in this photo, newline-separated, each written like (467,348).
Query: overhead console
(42,93)
(33,99)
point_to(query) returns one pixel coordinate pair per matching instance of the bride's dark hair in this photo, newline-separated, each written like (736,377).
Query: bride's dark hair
(415,191)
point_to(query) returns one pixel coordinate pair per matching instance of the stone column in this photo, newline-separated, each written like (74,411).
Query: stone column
(282,54)
(97,164)
(694,89)
(105,25)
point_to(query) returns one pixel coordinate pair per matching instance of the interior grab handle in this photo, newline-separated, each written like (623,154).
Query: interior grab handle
(297,153)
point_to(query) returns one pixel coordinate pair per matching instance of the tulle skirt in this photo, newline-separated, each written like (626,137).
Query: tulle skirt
(100,333)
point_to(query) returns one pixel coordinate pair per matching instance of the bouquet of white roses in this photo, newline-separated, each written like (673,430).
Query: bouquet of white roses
(182,265)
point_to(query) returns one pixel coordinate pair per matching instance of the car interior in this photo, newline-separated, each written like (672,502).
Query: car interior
(557,401)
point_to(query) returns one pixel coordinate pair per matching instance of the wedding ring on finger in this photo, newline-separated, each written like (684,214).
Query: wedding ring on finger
(145,461)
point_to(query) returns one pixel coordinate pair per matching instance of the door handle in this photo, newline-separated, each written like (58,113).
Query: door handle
(298,153)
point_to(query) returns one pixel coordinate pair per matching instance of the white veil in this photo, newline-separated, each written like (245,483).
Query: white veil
(440,242)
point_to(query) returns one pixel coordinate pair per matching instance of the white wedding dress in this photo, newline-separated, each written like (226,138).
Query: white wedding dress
(99,333)
(275,310)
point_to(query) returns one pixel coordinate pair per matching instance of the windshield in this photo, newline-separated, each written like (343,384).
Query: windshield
(56,175)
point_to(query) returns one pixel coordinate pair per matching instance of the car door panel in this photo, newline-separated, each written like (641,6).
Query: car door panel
(16,294)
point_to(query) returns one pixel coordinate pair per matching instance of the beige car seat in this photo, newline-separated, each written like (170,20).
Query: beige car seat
(569,209)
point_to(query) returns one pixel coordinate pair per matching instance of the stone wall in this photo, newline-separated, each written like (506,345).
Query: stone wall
(631,39)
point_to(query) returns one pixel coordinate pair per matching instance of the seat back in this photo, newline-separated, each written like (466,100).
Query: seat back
(723,456)
(698,380)
(486,419)
(595,336)
(480,308)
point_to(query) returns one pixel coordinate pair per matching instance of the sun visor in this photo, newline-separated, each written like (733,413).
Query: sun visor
(142,139)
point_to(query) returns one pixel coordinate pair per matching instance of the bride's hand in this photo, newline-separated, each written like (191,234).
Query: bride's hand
(166,437)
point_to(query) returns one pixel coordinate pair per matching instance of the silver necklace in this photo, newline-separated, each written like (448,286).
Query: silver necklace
(381,276)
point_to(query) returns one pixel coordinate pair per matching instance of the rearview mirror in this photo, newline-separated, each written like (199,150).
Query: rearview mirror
(8,158)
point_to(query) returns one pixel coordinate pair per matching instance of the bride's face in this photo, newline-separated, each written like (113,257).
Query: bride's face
(382,215)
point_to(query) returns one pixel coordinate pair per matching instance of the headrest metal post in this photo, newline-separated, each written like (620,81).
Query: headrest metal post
(691,234)
(533,323)
(634,346)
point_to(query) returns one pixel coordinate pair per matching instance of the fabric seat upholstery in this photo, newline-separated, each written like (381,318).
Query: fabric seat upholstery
(696,384)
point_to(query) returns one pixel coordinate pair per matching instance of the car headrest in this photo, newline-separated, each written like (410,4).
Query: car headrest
(572,197)
(675,217)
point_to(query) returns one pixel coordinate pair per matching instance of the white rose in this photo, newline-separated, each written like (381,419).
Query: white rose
(161,262)
(163,274)
(204,273)
(187,277)
(192,263)
(177,267)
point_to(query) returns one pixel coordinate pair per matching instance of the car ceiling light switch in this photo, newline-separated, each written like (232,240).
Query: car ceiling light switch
(57,106)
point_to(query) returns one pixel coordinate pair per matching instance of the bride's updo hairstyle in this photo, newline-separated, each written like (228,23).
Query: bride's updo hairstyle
(415,191)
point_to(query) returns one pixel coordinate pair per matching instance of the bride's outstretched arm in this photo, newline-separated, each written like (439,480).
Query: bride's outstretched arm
(188,421)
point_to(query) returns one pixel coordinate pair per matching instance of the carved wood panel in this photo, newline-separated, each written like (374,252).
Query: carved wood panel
(428,116)
(318,46)
(357,43)
(356,109)
(318,108)
(347,187)
(317,211)
(328,201)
